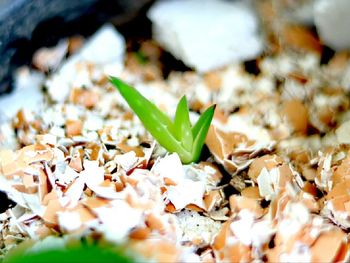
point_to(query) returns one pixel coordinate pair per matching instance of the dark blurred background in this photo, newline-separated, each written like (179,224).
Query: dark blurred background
(26,25)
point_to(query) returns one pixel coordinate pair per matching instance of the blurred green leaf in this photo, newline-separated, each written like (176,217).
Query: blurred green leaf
(83,254)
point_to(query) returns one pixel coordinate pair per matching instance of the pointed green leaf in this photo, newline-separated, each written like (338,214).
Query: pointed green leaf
(139,104)
(182,124)
(200,131)
(155,121)
(202,119)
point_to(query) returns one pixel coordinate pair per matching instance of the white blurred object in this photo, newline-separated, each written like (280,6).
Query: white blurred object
(301,11)
(26,93)
(106,47)
(206,34)
(332,21)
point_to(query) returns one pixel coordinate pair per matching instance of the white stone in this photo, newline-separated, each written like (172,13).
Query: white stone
(27,85)
(332,21)
(105,47)
(206,34)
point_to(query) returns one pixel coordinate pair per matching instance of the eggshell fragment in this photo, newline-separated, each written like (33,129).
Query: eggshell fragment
(327,246)
(296,114)
(267,161)
(238,203)
(299,37)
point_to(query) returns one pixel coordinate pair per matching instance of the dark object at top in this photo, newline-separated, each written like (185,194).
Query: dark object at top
(26,25)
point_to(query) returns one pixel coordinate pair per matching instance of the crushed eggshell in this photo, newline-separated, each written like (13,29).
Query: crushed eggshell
(272,183)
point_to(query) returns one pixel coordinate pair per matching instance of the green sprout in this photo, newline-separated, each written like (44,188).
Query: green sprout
(175,136)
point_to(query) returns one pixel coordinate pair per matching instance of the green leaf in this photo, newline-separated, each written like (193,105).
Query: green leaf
(139,104)
(182,124)
(200,131)
(155,121)
(79,254)
(175,137)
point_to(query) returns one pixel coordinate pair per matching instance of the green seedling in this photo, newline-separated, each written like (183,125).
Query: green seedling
(175,136)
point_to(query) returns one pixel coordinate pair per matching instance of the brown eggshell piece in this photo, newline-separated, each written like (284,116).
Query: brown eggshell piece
(342,173)
(50,214)
(35,153)
(339,190)
(220,116)
(327,246)
(85,214)
(95,202)
(238,203)
(213,80)
(220,239)
(267,161)
(75,43)
(155,222)
(87,98)
(296,114)
(301,38)
(76,163)
(238,253)
(73,127)
(309,173)
(222,143)
(140,233)
(251,192)
(157,250)
(212,198)
(126,148)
